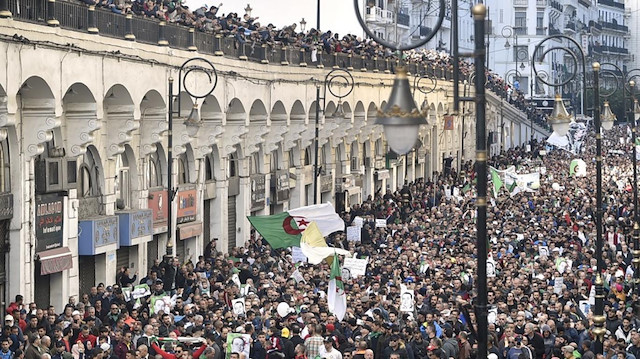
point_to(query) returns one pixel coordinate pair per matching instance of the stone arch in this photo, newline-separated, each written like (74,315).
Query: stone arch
(358,111)
(182,105)
(211,109)
(372,111)
(119,119)
(258,111)
(153,121)
(329,109)
(81,118)
(38,105)
(8,143)
(312,111)
(348,112)
(236,111)
(297,109)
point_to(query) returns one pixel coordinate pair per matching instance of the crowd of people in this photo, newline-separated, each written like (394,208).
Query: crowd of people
(256,302)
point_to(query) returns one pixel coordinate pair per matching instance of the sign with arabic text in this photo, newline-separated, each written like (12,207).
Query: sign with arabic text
(49,221)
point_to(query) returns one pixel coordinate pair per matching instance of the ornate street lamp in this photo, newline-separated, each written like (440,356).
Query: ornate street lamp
(560,119)
(400,117)
(248,9)
(608,118)
(303,25)
(194,66)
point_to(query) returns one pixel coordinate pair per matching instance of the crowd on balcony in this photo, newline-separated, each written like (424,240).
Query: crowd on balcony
(247,29)
(541,245)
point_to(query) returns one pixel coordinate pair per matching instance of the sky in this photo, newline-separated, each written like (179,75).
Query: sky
(336,15)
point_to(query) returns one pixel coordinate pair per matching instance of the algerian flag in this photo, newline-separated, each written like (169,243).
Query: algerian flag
(466,188)
(513,186)
(315,247)
(284,230)
(578,168)
(337,299)
(572,167)
(637,141)
(497,181)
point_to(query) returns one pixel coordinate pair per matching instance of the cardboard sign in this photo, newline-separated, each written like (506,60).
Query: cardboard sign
(407,303)
(381,223)
(558,282)
(297,255)
(358,222)
(543,251)
(238,306)
(356,266)
(354,234)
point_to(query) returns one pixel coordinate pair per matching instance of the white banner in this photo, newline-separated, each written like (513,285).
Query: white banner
(354,234)
(356,266)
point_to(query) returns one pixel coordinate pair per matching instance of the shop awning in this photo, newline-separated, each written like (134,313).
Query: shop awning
(188,230)
(55,260)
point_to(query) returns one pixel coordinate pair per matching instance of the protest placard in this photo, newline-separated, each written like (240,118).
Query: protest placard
(356,266)
(353,234)
(381,223)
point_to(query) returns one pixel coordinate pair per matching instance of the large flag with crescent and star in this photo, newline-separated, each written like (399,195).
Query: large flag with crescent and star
(284,230)
(336,298)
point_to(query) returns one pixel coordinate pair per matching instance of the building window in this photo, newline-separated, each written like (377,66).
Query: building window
(307,156)
(183,170)
(355,161)
(154,172)
(520,27)
(253,164)
(5,174)
(209,168)
(233,165)
(540,23)
(122,182)
(273,161)
(520,54)
(89,172)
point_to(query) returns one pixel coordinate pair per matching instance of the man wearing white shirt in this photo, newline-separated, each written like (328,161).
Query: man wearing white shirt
(327,351)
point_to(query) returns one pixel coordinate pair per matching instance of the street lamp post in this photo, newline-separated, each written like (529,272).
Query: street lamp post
(401,116)
(509,32)
(192,66)
(345,79)
(599,317)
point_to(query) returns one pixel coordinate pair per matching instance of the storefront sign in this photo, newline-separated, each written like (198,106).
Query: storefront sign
(282,186)
(257,191)
(325,183)
(49,221)
(134,225)
(187,201)
(159,205)
(97,235)
(189,230)
(379,163)
(6,206)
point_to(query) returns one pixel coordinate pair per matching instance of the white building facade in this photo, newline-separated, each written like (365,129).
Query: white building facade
(83,150)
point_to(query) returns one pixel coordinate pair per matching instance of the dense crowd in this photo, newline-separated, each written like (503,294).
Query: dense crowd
(538,299)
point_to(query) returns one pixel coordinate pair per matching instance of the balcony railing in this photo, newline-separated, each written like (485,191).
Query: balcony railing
(554,31)
(541,3)
(75,16)
(520,3)
(595,25)
(570,26)
(614,26)
(585,3)
(556,5)
(611,3)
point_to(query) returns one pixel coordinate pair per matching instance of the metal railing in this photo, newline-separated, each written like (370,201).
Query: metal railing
(75,16)
(611,3)
(614,26)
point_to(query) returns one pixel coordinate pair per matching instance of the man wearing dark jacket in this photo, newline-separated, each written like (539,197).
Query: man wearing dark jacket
(394,347)
(450,344)
(419,346)
(535,339)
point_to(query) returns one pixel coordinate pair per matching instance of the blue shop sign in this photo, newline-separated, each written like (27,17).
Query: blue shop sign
(135,225)
(97,235)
